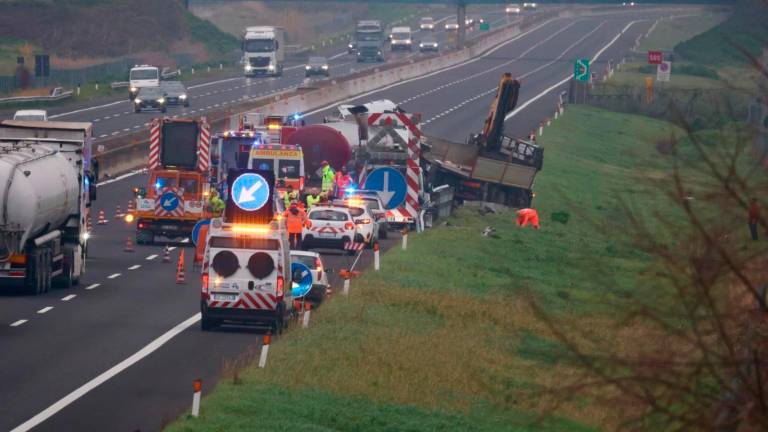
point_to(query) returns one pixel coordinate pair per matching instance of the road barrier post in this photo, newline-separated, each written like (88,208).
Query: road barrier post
(264,350)
(549,121)
(541,128)
(405,238)
(180,280)
(305,316)
(209,68)
(221,66)
(192,71)
(129,244)
(166,254)
(197,385)
(376,258)
(96,86)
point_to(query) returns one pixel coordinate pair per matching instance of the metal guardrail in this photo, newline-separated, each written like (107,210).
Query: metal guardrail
(120,84)
(440,205)
(56,94)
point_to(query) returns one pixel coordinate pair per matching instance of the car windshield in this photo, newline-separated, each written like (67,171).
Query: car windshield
(356,211)
(144,74)
(289,168)
(162,182)
(329,215)
(260,45)
(372,203)
(32,117)
(307,260)
(150,92)
(401,35)
(317,61)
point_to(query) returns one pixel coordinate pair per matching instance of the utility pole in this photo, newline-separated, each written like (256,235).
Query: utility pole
(461,13)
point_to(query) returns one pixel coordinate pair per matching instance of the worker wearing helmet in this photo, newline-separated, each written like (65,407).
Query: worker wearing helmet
(290,196)
(294,221)
(327,176)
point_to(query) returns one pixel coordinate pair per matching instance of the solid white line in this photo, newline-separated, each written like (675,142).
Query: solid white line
(118,178)
(171,248)
(45,309)
(114,275)
(69,297)
(565,80)
(18,323)
(107,375)
(87,109)
(134,267)
(92,286)
(151,257)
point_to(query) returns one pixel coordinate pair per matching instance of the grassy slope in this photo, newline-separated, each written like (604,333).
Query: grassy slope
(441,340)
(669,33)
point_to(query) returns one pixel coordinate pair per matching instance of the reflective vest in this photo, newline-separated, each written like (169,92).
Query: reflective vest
(312,200)
(288,197)
(327,178)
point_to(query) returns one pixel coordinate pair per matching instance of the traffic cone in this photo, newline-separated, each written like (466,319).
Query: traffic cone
(132,206)
(166,254)
(102,220)
(89,224)
(119,212)
(128,244)
(180,270)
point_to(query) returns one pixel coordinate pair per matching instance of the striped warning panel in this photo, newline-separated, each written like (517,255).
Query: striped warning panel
(354,246)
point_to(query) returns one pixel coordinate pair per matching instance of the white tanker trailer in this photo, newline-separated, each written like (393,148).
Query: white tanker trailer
(45,192)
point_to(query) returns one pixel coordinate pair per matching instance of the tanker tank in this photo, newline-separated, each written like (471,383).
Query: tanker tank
(332,142)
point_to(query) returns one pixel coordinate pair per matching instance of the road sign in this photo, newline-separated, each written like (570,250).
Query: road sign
(302,279)
(169,201)
(485,26)
(581,70)
(196,229)
(663,71)
(250,191)
(655,57)
(391,186)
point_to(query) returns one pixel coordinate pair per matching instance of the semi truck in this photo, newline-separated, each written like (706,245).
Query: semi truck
(263,51)
(369,41)
(176,196)
(489,166)
(48,186)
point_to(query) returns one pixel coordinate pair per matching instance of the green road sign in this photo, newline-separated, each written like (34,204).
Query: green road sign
(581,70)
(485,26)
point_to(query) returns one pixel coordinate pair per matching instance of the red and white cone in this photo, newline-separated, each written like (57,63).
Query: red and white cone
(119,212)
(180,269)
(102,219)
(129,245)
(131,206)
(166,255)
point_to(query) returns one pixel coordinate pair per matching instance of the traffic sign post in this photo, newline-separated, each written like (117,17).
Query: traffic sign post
(655,57)
(169,201)
(302,280)
(391,186)
(581,70)
(664,71)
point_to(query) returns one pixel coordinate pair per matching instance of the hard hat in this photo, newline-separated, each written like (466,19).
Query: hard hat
(324,162)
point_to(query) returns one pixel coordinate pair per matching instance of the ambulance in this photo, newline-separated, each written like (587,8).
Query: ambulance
(285,161)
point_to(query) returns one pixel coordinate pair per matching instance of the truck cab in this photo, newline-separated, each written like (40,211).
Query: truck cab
(263,51)
(142,76)
(369,41)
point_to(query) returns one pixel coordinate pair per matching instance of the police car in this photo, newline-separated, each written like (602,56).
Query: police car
(319,274)
(367,225)
(246,269)
(329,226)
(375,207)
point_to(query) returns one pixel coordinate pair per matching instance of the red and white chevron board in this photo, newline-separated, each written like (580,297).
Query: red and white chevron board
(326,230)
(154,143)
(203,149)
(354,246)
(248,300)
(176,212)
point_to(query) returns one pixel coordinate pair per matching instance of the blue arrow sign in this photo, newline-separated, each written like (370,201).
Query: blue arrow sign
(391,186)
(169,201)
(250,191)
(196,229)
(302,279)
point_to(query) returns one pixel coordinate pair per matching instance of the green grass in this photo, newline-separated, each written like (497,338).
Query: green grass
(669,33)
(444,338)
(220,45)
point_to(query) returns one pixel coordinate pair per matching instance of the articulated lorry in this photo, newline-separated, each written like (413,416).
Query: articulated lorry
(263,51)
(48,185)
(490,166)
(369,41)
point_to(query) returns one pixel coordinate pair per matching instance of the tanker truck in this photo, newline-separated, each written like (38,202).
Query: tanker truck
(47,186)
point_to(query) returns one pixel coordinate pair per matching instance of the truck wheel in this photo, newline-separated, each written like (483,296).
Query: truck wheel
(137,109)
(32,283)
(207,324)
(145,237)
(279,323)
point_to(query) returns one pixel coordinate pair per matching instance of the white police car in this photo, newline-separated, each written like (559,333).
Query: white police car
(366,224)
(314,262)
(329,226)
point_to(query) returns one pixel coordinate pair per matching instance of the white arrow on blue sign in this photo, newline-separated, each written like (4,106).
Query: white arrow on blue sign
(169,201)
(302,279)
(391,186)
(197,228)
(250,191)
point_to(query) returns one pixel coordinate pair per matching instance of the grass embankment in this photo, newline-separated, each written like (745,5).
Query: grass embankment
(443,338)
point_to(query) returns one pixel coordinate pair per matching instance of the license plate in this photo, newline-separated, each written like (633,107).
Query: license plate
(324,234)
(225,297)
(169,227)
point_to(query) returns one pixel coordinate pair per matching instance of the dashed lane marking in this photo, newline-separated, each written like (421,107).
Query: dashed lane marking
(18,323)
(151,257)
(134,267)
(114,275)
(45,309)
(93,286)
(69,297)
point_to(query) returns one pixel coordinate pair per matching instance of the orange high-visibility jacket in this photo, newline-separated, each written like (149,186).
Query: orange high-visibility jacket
(295,222)
(526,216)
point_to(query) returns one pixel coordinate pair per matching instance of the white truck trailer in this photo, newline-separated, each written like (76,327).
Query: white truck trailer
(263,51)
(46,186)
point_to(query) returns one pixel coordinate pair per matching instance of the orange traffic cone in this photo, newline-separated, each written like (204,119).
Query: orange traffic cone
(166,255)
(180,270)
(131,206)
(119,212)
(128,244)
(102,220)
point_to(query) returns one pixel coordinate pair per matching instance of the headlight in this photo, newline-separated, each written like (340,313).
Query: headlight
(325,67)
(408,41)
(183,97)
(271,67)
(161,101)
(307,67)
(350,45)
(421,45)
(137,100)
(134,89)
(248,67)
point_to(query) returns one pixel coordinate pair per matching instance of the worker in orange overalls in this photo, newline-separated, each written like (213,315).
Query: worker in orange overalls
(528,216)
(294,221)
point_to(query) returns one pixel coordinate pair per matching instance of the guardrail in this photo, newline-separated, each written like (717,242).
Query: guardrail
(440,205)
(120,84)
(57,94)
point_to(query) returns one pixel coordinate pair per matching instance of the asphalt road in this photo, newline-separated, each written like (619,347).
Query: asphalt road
(116,323)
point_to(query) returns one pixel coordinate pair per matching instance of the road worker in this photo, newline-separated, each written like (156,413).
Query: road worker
(753,218)
(215,204)
(313,198)
(327,175)
(294,221)
(290,196)
(342,180)
(528,216)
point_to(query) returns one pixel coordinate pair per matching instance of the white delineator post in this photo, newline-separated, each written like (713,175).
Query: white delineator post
(405,239)
(541,128)
(345,289)
(264,350)
(198,387)
(376,258)
(305,316)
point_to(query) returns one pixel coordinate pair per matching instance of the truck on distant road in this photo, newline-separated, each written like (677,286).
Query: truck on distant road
(263,51)
(369,41)
(401,39)
(48,185)
(142,76)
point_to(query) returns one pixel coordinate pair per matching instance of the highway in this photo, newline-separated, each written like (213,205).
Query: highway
(120,351)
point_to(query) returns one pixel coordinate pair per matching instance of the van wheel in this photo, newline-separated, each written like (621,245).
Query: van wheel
(207,324)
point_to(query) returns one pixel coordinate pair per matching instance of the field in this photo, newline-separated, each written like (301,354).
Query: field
(444,337)
(669,33)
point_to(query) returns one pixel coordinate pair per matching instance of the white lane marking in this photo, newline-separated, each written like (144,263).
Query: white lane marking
(171,248)
(69,297)
(45,309)
(134,267)
(118,178)
(151,257)
(107,375)
(87,109)
(114,275)
(186,240)
(93,286)
(18,323)
(565,80)
(421,77)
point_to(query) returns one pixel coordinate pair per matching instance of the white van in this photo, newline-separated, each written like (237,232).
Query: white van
(401,39)
(246,269)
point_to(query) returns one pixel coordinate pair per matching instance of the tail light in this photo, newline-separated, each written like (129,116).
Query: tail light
(280,284)
(204,292)
(19,260)
(349,226)
(365,221)
(308,224)
(319,267)
(301,183)
(142,225)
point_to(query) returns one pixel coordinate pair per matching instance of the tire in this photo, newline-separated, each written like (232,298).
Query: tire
(207,324)
(136,109)
(47,265)
(279,323)
(145,237)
